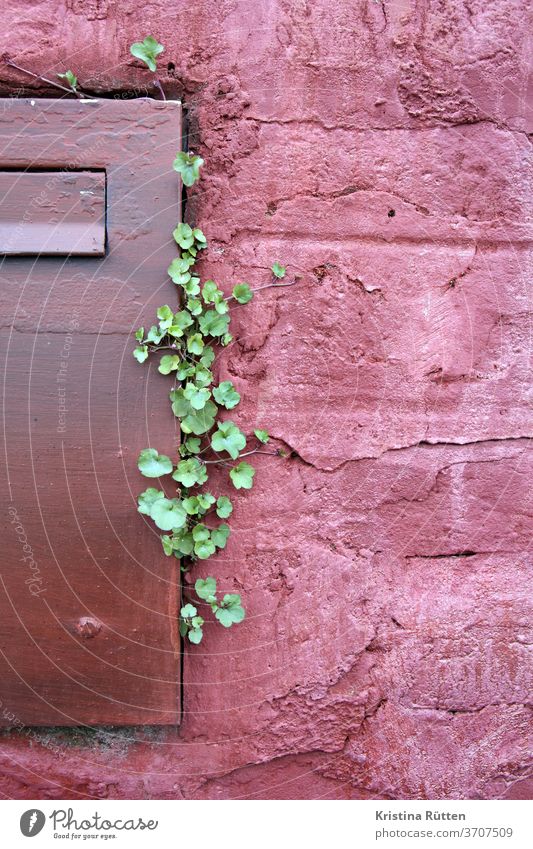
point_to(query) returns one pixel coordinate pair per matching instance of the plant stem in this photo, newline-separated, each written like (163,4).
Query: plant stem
(160,87)
(267,286)
(258,451)
(69,90)
(162,348)
(275,285)
(207,447)
(246,454)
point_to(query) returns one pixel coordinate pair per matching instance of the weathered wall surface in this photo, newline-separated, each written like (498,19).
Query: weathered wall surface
(382,151)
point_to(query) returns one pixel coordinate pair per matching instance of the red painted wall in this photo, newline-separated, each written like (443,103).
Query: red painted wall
(381,151)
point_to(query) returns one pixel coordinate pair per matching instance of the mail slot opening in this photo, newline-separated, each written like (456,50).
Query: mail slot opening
(52,213)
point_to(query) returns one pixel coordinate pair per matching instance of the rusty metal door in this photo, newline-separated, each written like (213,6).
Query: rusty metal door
(88,602)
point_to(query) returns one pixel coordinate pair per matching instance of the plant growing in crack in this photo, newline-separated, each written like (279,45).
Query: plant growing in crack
(146,51)
(68,76)
(187,340)
(71,79)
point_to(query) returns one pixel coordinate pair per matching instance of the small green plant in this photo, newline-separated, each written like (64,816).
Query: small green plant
(68,76)
(188,165)
(186,340)
(278,270)
(147,51)
(71,79)
(228,610)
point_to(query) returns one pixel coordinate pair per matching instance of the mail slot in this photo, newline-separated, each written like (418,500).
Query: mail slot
(88,601)
(52,213)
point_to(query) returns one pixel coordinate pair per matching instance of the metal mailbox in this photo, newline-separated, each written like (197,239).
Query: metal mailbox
(88,601)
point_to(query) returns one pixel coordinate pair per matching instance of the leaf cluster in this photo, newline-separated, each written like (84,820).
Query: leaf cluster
(185,340)
(228,610)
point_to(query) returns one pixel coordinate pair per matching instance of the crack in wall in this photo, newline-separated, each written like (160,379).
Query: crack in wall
(423,444)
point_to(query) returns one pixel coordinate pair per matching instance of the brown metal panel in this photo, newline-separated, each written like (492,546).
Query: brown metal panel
(88,601)
(52,212)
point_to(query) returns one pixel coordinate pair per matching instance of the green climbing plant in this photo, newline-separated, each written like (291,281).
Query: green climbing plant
(186,340)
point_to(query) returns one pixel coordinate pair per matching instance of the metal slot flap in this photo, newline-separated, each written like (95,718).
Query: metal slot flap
(52,213)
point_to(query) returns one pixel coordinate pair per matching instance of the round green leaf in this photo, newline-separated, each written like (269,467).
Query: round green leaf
(192,421)
(146,499)
(195,635)
(152,464)
(224,507)
(204,549)
(196,396)
(165,316)
(183,543)
(228,438)
(194,305)
(184,370)
(205,500)
(178,271)
(200,421)
(155,335)
(199,237)
(230,611)
(169,362)
(191,505)
(200,533)
(205,588)
(202,376)
(213,324)
(180,322)
(242,293)
(192,445)
(242,476)
(168,514)
(220,535)
(141,353)
(190,472)
(195,344)
(211,292)
(221,306)
(226,394)
(208,355)
(184,236)
(192,289)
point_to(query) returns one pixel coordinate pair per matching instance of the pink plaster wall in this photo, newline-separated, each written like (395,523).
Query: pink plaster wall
(385,565)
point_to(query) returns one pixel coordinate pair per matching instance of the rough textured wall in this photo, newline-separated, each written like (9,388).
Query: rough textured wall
(381,151)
